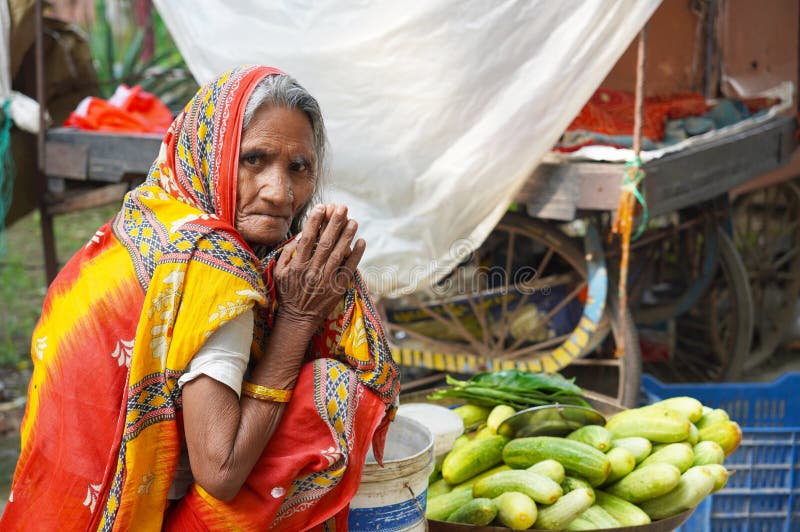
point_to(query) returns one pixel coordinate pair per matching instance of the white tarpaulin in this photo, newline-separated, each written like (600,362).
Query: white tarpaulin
(437,110)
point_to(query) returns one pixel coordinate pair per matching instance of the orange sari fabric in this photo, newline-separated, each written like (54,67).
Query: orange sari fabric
(101,434)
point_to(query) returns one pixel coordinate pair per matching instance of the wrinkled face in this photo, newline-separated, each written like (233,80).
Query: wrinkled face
(276,175)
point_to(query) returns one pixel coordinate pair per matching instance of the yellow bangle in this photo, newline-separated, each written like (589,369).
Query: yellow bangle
(262,393)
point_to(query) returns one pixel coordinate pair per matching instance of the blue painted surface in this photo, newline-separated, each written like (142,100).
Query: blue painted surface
(389,518)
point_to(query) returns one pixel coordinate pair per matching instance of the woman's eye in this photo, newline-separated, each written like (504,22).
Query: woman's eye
(250,159)
(299,167)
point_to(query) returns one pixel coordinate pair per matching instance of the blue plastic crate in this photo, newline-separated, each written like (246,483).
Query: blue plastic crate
(764,493)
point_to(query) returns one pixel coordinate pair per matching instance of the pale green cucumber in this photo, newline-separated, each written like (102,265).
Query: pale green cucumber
(561,513)
(600,517)
(627,513)
(639,447)
(622,463)
(646,482)
(549,468)
(694,486)
(656,423)
(515,510)
(689,407)
(594,435)
(499,414)
(677,454)
(708,452)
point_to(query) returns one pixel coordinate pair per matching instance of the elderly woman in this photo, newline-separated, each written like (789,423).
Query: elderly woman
(200,364)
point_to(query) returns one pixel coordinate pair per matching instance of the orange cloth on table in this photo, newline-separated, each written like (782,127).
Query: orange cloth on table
(129,110)
(102,430)
(611,112)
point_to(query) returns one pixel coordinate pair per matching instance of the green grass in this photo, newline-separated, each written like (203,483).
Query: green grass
(22,279)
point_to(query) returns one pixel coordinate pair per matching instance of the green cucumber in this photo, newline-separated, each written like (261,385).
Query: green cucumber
(471,482)
(578,458)
(538,487)
(479,512)
(472,458)
(440,508)
(472,415)
(440,487)
(574,483)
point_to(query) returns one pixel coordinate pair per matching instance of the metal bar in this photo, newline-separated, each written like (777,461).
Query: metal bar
(48,236)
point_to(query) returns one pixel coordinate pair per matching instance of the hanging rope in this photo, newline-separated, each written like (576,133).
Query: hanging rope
(7,172)
(623,225)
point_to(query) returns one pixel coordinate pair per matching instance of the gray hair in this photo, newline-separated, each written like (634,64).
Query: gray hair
(282,90)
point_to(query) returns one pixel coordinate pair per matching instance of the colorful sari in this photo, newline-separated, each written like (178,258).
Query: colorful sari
(102,431)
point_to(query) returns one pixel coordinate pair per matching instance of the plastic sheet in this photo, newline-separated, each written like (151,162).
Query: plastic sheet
(437,111)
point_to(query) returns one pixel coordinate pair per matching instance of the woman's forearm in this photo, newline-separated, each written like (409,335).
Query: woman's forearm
(226,435)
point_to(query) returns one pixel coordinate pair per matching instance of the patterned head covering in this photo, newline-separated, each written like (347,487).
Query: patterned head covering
(203,143)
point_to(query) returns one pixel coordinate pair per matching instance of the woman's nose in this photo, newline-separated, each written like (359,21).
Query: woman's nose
(276,187)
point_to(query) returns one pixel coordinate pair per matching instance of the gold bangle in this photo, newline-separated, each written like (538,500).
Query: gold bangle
(262,393)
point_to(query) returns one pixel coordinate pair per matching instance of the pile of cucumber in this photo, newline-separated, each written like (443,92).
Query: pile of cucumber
(645,464)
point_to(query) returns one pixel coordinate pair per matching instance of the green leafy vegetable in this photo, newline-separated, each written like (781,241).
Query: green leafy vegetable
(518,389)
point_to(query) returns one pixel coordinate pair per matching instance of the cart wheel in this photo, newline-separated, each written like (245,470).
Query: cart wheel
(711,340)
(602,371)
(524,300)
(766,231)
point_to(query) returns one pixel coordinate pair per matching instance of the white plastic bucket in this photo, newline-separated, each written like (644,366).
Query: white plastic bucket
(392,498)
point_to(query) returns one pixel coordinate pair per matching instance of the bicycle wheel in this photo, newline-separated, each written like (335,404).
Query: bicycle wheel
(711,340)
(525,299)
(766,231)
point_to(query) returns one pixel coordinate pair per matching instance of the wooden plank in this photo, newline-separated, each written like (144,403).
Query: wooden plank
(84,199)
(66,160)
(549,193)
(704,172)
(673,182)
(112,157)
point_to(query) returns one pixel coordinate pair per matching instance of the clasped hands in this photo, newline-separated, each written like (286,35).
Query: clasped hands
(314,270)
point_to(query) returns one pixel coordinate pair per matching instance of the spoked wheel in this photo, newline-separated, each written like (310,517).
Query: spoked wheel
(695,310)
(766,231)
(523,300)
